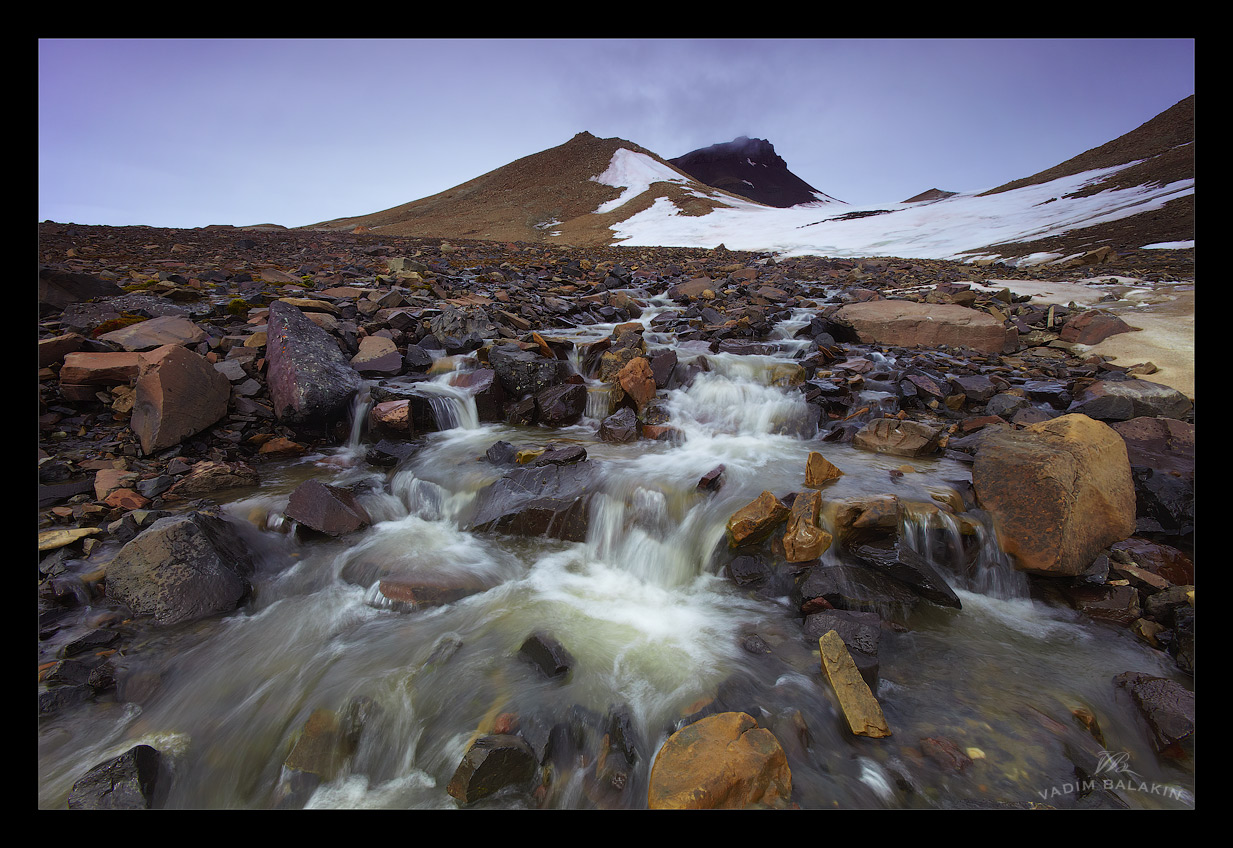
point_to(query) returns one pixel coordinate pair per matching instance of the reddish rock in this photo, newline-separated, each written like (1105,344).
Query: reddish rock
(1092,327)
(156,332)
(905,323)
(327,509)
(637,380)
(83,374)
(179,394)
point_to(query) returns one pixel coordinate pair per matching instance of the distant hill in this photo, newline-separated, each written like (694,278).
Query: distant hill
(552,195)
(751,168)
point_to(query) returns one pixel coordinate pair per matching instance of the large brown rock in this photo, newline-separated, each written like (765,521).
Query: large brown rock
(723,761)
(756,520)
(900,438)
(1058,492)
(905,323)
(804,540)
(179,394)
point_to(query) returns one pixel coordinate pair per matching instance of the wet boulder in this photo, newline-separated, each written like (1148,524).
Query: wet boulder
(547,654)
(493,763)
(310,380)
(1166,706)
(550,500)
(900,562)
(1121,400)
(755,521)
(560,406)
(853,587)
(803,539)
(327,509)
(1059,492)
(1161,454)
(899,437)
(522,372)
(860,708)
(182,568)
(620,426)
(722,762)
(126,782)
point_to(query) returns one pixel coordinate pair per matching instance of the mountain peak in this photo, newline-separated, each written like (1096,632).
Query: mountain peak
(751,168)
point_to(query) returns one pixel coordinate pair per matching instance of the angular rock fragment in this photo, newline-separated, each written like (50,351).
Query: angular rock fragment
(860,708)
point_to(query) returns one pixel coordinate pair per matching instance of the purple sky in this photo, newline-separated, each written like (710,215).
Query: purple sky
(186,133)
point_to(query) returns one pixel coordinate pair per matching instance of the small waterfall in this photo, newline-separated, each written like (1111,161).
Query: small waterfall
(360,407)
(452,407)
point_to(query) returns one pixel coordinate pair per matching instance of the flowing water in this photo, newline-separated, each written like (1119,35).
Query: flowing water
(644,607)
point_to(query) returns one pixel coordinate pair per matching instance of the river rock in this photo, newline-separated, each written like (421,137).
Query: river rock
(905,323)
(819,471)
(179,394)
(1161,453)
(804,540)
(84,373)
(756,520)
(522,372)
(1059,492)
(378,356)
(547,654)
(210,477)
(860,708)
(182,568)
(561,406)
(550,501)
(156,332)
(1166,706)
(724,761)
(486,389)
(621,426)
(853,587)
(327,509)
(900,562)
(492,763)
(310,381)
(637,380)
(899,437)
(1121,400)
(126,782)
(861,633)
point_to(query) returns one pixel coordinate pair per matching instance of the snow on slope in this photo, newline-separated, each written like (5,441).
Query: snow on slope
(941,230)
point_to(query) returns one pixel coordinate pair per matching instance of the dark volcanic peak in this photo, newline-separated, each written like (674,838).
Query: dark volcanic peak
(931,194)
(751,168)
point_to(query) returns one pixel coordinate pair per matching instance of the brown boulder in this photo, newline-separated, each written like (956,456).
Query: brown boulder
(1059,492)
(819,471)
(860,708)
(85,373)
(804,540)
(900,438)
(179,394)
(723,761)
(905,323)
(1092,327)
(756,520)
(637,380)
(156,332)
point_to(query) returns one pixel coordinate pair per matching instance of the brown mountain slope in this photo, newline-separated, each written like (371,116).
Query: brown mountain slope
(1165,144)
(529,199)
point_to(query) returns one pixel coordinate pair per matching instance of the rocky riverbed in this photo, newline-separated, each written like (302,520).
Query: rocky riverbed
(338,520)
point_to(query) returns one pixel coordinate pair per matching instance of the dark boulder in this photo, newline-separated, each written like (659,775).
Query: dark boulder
(126,782)
(182,568)
(550,500)
(491,764)
(327,509)
(310,380)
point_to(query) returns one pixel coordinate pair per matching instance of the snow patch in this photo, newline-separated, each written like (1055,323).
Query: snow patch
(633,172)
